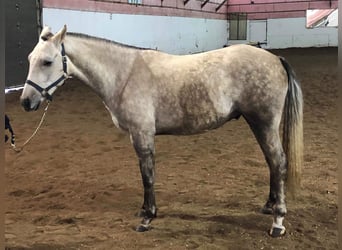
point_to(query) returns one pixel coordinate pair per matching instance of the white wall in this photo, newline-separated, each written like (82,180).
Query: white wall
(176,35)
(291,32)
(182,35)
(287,33)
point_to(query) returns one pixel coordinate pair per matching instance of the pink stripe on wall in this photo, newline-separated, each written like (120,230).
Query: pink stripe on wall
(264,9)
(148,7)
(256,9)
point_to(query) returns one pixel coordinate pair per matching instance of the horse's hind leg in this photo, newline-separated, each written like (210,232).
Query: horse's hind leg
(269,141)
(144,147)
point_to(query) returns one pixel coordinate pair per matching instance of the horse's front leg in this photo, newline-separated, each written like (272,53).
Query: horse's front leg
(144,147)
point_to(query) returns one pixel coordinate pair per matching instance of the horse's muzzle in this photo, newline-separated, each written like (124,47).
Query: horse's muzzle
(27,105)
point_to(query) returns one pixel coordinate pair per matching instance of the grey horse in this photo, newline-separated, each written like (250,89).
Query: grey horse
(149,93)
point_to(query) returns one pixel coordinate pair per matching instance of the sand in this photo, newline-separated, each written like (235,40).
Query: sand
(77,184)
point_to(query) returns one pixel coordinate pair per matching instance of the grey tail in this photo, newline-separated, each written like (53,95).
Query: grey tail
(293,129)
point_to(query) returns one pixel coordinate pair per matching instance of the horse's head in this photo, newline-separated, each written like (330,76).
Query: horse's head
(47,69)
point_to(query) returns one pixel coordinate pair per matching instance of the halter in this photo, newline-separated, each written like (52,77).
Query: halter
(45,91)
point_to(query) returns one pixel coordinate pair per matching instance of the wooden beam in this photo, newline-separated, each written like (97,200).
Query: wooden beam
(204,3)
(220,5)
(186,1)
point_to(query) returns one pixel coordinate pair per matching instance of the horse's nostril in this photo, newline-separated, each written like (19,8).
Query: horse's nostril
(26,103)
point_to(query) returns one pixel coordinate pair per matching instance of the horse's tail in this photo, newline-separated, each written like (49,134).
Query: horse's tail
(293,129)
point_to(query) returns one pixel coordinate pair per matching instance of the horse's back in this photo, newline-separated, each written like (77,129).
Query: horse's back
(236,65)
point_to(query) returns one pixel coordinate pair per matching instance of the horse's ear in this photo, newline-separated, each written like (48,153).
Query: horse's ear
(46,33)
(58,38)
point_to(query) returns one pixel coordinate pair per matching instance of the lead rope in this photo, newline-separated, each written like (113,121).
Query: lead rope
(19,149)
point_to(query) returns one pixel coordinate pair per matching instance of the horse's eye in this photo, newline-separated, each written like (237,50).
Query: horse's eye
(47,63)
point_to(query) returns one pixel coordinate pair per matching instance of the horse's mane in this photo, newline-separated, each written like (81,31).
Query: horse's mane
(104,40)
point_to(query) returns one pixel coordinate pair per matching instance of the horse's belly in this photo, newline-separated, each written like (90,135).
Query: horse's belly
(199,124)
(192,123)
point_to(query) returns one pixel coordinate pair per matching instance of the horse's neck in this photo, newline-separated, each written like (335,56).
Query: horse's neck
(102,66)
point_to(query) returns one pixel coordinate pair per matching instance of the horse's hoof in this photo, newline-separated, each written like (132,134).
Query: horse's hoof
(143,228)
(276,232)
(267,210)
